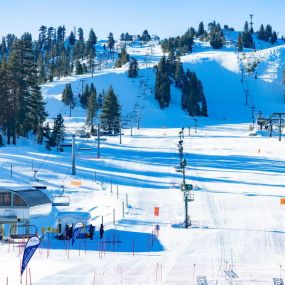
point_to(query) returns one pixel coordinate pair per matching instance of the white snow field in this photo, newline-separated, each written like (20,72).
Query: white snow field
(238,224)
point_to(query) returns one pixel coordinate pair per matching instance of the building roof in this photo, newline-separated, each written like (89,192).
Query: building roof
(33,197)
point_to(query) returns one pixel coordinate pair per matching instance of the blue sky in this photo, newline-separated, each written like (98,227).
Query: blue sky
(162,17)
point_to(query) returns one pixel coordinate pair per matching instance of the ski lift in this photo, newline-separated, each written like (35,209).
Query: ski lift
(61,200)
(23,231)
(38,183)
(65,145)
(84,148)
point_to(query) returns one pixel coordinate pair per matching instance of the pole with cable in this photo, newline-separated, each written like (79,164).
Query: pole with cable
(73,172)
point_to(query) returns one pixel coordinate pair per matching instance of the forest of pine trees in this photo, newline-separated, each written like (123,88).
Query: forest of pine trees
(267,34)
(22,108)
(192,99)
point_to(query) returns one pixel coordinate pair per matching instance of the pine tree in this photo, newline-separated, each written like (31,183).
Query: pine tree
(247,40)
(67,96)
(110,115)
(193,99)
(123,58)
(273,38)
(179,74)
(162,83)
(42,37)
(71,39)
(57,134)
(91,60)
(92,107)
(216,40)
(78,68)
(101,99)
(268,32)
(239,44)
(261,33)
(111,42)
(133,68)
(37,113)
(145,36)
(245,28)
(201,30)
(85,96)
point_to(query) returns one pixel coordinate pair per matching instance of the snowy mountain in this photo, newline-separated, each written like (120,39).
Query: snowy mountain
(238,226)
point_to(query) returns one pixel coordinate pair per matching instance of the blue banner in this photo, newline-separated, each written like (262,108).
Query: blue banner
(76,231)
(30,248)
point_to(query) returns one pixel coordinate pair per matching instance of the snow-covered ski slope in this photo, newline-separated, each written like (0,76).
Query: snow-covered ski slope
(237,221)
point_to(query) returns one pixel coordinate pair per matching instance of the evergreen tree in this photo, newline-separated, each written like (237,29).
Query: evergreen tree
(145,36)
(42,36)
(261,33)
(162,83)
(268,32)
(80,35)
(245,28)
(133,68)
(37,113)
(91,60)
(78,67)
(247,40)
(123,58)
(273,38)
(193,100)
(179,74)
(67,96)
(71,39)
(57,134)
(85,96)
(101,99)
(239,44)
(216,40)
(111,42)
(110,115)
(92,107)
(201,29)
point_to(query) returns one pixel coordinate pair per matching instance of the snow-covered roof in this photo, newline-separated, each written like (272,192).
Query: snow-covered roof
(32,197)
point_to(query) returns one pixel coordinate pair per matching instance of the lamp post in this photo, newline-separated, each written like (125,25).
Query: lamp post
(185,188)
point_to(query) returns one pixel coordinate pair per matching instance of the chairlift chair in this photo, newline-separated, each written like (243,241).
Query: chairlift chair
(26,231)
(61,200)
(39,184)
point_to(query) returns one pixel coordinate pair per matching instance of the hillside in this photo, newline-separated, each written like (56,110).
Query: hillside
(237,223)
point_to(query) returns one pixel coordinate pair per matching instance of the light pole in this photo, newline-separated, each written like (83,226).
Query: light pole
(185,188)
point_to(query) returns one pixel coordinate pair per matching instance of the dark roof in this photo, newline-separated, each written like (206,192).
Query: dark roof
(34,197)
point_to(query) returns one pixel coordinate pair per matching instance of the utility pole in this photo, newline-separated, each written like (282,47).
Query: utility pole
(251,23)
(73,155)
(270,126)
(246,96)
(280,123)
(98,141)
(196,121)
(252,114)
(242,73)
